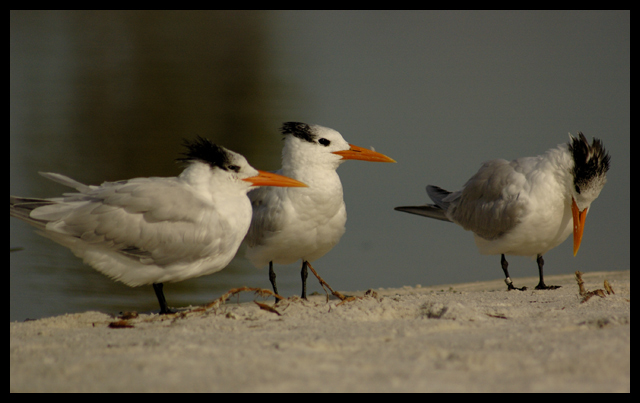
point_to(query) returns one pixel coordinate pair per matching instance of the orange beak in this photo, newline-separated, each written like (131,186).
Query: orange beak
(359,153)
(270,179)
(578,225)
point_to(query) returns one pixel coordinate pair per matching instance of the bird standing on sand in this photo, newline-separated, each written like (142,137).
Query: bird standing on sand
(527,206)
(307,223)
(155,230)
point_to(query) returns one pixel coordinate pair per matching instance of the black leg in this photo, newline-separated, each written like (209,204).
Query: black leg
(164,309)
(505,265)
(303,275)
(541,285)
(272,278)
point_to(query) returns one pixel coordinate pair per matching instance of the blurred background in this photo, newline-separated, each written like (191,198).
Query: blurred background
(103,96)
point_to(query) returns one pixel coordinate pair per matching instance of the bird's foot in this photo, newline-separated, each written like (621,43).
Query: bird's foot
(543,286)
(510,285)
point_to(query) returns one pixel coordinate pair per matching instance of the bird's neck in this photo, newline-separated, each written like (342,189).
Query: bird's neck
(559,160)
(314,176)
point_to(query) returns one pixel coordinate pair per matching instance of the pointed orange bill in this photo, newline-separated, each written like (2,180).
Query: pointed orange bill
(578,225)
(270,179)
(359,153)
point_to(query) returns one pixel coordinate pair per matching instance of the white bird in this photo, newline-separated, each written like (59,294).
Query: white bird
(155,230)
(528,206)
(306,223)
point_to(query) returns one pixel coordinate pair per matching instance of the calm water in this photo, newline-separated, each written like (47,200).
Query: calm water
(110,95)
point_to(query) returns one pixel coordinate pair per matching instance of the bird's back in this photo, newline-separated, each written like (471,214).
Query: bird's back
(489,204)
(139,231)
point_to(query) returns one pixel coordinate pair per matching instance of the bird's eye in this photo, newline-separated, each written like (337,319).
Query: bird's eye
(234,168)
(324,142)
(577,189)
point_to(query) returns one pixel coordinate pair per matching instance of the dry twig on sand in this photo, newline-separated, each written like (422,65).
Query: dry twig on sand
(588,294)
(261,292)
(323,283)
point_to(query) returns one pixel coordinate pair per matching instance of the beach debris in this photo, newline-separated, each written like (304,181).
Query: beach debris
(323,283)
(128,315)
(348,299)
(268,308)
(608,288)
(369,293)
(120,324)
(586,295)
(260,292)
(435,310)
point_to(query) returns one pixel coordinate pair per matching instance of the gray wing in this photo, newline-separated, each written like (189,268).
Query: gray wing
(267,214)
(155,220)
(489,204)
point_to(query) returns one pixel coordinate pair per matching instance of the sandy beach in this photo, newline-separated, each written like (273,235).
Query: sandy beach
(474,337)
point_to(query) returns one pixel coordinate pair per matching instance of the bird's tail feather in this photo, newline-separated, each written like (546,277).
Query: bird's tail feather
(438,195)
(427,210)
(66,181)
(21,207)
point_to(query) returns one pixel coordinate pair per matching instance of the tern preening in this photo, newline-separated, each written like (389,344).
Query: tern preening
(155,230)
(305,224)
(527,206)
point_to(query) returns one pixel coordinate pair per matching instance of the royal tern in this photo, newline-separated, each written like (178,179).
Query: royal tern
(527,206)
(306,223)
(155,230)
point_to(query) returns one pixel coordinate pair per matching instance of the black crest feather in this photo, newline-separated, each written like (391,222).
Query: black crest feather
(591,160)
(300,130)
(203,150)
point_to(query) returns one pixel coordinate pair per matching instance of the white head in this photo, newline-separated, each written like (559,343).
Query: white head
(320,148)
